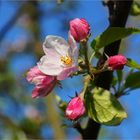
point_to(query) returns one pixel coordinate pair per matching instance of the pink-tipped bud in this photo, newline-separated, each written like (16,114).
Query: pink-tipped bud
(35,76)
(75,108)
(79,29)
(44,84)
(116,62)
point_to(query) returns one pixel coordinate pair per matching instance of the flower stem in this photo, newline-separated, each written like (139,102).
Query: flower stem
(91,57)
(87,63)
(86,83)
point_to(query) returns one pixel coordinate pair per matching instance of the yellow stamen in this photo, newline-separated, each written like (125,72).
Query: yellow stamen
(66,60)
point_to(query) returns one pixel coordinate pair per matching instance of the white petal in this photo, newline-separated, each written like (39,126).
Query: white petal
(71,41)
(50,65)
(56,43)
(74,49)
(75,56)
(69,112)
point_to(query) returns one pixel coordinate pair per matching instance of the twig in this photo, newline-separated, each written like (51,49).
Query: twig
(78,127)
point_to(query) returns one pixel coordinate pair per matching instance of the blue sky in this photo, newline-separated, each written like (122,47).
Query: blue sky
(97,15)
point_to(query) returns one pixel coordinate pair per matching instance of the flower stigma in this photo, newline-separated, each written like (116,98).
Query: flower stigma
(66,60)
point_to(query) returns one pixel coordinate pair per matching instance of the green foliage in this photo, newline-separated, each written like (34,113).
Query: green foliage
(131,63)
(61,104)
(133,81)
(119,75)
(114,81)
(5,81)
(104,108)
(60,1)
(111,35)
(30,127)
(135,9)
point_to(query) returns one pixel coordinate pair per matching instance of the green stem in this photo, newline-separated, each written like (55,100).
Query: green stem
(91,57)
(86,83)
(86,57)
(95,71)
(87,63)
(54,118)
(120,92)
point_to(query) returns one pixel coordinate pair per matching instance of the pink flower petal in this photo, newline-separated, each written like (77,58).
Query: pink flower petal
(35,76)
(116,62)
(66,72)
(44,88)
(75,108)
(79,29)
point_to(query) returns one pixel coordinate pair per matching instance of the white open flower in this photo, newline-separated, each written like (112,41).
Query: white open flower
(61,57)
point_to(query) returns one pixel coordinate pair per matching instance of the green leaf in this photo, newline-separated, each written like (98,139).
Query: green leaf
(62,105)
(60,1)
(104,108)
(135,8)
(111,35)
(114,81)
(119,75)
(133,81)
(131,63)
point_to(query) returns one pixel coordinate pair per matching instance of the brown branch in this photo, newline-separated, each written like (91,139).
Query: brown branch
(119,11)
(118,14)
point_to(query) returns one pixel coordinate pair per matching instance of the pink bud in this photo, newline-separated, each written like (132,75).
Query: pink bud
(45,88)
(35,76)
(44,84)
(116,62)
(75,108)
(79,29)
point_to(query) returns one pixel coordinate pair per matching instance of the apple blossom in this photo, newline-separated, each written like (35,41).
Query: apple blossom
(116,62)
(79,29)
(61,57)
(43,83)
(75,108)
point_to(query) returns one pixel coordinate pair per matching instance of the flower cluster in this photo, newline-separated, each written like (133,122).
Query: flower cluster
(60,61)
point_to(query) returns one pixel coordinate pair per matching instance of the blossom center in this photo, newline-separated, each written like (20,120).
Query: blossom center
(66,60)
